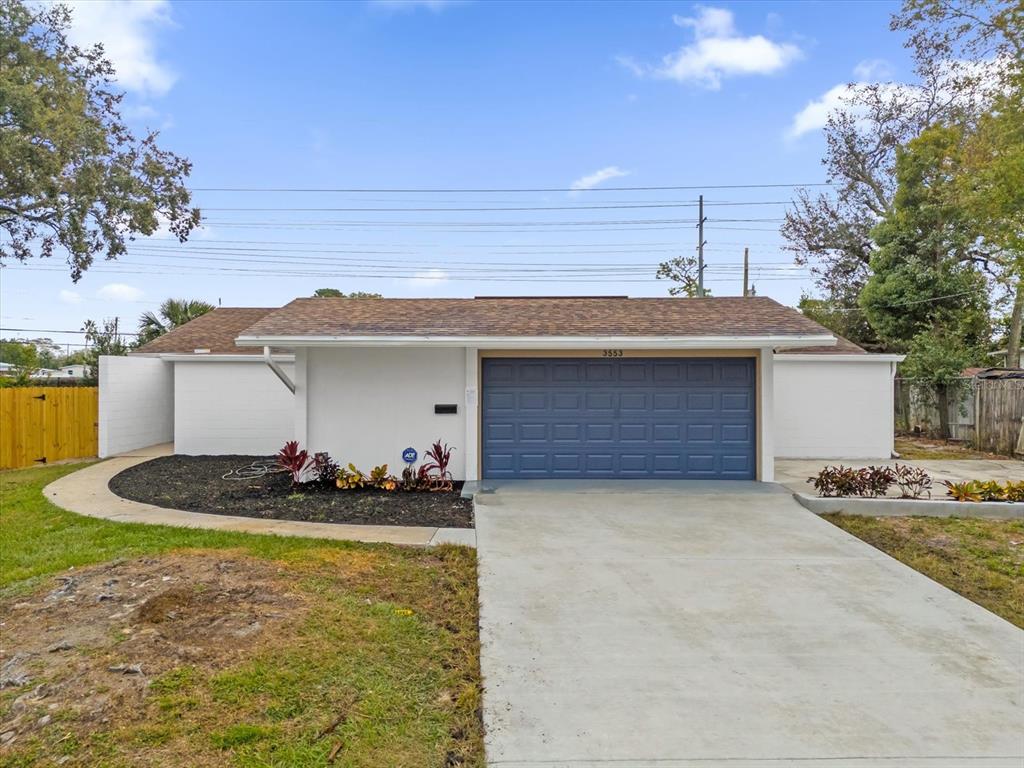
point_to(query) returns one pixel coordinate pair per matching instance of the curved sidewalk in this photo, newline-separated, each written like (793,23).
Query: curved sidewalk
(85,492)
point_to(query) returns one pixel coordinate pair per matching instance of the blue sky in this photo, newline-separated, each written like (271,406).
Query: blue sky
(480,95)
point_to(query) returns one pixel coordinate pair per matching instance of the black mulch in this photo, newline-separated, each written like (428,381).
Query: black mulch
(196,484)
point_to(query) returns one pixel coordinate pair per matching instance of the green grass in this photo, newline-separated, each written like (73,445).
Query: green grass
(39,539)
(380,667)
(983,560)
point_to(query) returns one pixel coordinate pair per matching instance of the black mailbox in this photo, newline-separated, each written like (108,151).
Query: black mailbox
(446,408)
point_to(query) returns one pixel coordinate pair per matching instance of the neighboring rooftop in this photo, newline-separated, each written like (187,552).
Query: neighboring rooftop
(535,317)
(215,332)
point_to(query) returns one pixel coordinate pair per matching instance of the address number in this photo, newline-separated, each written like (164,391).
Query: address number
(612,353)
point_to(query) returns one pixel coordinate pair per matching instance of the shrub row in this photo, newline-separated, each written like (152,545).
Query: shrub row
(912,482)
(323,471)
(985,490)
(872,482)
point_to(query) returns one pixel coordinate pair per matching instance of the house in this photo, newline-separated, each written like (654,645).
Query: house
(521,386)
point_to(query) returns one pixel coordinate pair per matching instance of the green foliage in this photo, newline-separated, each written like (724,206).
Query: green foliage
(23,356)
(72,175)
(172,313)
(846,321)
(105,339)
(985,490)
(937,359)
(350,478)
(335,293)
(379,478)
(682,270)
(927,296)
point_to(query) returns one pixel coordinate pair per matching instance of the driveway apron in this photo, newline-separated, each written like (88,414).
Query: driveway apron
(641,624)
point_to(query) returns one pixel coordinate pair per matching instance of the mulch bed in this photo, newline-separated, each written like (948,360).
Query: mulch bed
(197,484)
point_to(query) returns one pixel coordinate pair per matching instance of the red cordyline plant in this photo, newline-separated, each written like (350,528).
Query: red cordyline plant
(438,458)
(294,460)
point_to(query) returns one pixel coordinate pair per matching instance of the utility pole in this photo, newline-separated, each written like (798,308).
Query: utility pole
(700,246)
(746,271)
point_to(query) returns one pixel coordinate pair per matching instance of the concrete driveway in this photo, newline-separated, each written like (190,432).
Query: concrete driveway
(634,624)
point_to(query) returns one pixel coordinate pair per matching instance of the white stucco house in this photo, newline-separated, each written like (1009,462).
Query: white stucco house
(522,387)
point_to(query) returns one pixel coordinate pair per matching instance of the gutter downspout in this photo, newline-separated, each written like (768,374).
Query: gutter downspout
(278,370)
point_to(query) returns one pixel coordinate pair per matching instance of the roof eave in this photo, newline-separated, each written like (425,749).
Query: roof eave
(545,342)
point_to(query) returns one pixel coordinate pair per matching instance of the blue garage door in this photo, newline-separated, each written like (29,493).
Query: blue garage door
(630,417)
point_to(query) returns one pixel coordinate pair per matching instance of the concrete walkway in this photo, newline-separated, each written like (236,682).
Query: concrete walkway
(86,492)
(793,473)
(721,624)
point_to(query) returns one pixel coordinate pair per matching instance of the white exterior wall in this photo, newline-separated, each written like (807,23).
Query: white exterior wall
(231,407)
(833,409)
(136,403)
(365,405)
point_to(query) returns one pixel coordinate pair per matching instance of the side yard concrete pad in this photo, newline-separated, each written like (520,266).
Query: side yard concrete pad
(725,625)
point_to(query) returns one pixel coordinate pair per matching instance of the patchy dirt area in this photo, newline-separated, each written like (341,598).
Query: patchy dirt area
(87,650)
(917,447)
(198,484)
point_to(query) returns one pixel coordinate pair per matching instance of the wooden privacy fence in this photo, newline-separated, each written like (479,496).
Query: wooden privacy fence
(999,415)
(988,414)
(44,424)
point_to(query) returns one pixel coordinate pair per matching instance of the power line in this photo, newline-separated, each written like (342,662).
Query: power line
(52,330)
(464,190)
(277,209)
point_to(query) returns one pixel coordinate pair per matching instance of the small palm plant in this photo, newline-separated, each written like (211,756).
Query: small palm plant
(172,313)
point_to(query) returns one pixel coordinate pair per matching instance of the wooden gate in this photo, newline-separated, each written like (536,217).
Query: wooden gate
(45,424)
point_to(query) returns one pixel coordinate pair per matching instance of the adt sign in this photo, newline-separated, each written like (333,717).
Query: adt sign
(409,455)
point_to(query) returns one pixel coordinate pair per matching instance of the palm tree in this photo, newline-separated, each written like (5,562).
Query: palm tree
(173,312)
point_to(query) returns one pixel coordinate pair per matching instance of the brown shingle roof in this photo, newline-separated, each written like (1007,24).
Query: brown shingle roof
(525,316)
(215,331)
(842,347)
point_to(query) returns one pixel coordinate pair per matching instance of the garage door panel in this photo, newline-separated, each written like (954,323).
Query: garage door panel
(637,417)
(701,373)
(700,433)
(736,433)
(633,433)
(737,402)
(634,464)
(566,432)
(700,401)
(533,433)
(667,433)
(567,401)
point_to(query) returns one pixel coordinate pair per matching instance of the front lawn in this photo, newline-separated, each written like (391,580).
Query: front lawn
(129,645)
(983,560)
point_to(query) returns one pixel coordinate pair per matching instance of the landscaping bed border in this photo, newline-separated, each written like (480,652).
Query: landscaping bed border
(895,507)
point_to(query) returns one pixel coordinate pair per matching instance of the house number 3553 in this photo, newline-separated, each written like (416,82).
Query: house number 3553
(612,353)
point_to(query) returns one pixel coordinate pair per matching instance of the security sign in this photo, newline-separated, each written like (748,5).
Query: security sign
(409,455)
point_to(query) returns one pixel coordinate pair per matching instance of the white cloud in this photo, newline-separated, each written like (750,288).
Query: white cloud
(429,277)
(70,297)
(128,33)
(119,292)
(874,70)
(591,180)
(815,114)
(718,51)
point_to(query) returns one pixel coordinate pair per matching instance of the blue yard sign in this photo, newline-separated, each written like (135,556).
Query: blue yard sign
(409,455)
